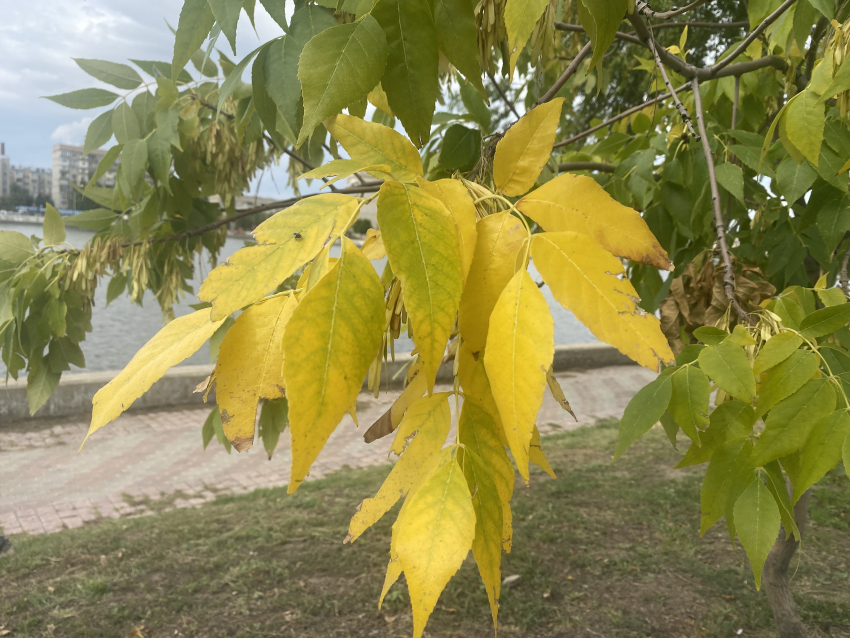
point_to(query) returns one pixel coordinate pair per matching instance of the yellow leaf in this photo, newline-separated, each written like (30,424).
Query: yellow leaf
(393,572)
(520,18)
(422,246)
(177,341)
(578,204)
(378,98)
(390,420)
(250,366)
(420,436)
(585,279)
(476,388)
(435,532)
(487,544)
(520,349)
(536,455)
(332,337)
(288,240)
(526,148)
(344,168)
(500,237)
(373,245)
(372,143)
(460,204)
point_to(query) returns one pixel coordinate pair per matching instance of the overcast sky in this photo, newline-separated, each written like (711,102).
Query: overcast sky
(38,40)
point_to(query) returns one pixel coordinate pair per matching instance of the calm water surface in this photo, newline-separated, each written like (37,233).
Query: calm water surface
(122,328)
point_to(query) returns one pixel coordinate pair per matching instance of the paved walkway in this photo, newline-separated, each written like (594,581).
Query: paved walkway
(149,461)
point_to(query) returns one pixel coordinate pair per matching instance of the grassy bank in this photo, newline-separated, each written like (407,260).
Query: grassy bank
(606,550)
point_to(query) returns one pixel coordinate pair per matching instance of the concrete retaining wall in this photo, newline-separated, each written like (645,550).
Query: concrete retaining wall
(75,392)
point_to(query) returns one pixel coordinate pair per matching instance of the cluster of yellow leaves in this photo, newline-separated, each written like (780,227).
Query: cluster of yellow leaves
(457,275)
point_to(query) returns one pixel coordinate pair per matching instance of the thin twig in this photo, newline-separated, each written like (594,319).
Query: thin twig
(755,33)
(586,166)
(503,96)
(621,116)
(732,157)
(571,69)
(644,10)
(686,117)
(280,205)
(842,274)
(719,225)
(577,28)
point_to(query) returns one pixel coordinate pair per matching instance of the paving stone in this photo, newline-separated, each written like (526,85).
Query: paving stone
(151,455)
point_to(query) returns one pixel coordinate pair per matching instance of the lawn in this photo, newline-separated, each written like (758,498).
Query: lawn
(605,550)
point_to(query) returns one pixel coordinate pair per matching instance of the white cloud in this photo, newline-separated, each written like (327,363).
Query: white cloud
(73,133)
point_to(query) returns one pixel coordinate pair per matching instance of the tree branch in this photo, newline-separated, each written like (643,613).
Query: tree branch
(586,166)
(281,205)
(686,117)
(719,225)
(711,71)
(842,274)
(577,28)
(621,116)
(571,69)
(503,96)
(644,10)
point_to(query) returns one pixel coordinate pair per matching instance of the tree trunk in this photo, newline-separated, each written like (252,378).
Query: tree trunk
(775,577)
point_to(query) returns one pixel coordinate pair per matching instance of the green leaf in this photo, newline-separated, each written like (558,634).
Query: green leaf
(263,103)
(731,177)
(94,219)
(277,10)
(226,14)
(144,106)
(84,98)
(804,123)
(208,429)
(710,335)
(846,454)
(125,124)
(475,106)
(776,350)
(729,367)
(116,288)
(757,521)
(193,27)
(457,37)
(274,417)
(120,75)
(788,424)
(338,67)
(689,403)
(309,21)
(167,121)
(410,79)
(825,321)
(833,221)
(728,473)
(99,132)
(778,488)
(54,227)
(786,378)
(158,69)
(235,76)
(794,180)
(159,154)
(461,148)
(41,383)
(821,451)
(601,19)
(731,421)
(283,85)
(65,351)
(104,165)
(15,247)
(134,163)
(826,7)
(644,411)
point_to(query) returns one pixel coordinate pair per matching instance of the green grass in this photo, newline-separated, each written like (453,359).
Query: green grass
(605,550)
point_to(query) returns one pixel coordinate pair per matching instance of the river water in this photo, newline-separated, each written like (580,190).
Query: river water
(122,328)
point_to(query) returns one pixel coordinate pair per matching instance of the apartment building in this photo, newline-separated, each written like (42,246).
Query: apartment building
(6,176)
(71,167)
(36,181)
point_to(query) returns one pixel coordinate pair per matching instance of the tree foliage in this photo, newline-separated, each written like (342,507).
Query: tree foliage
(727,131)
